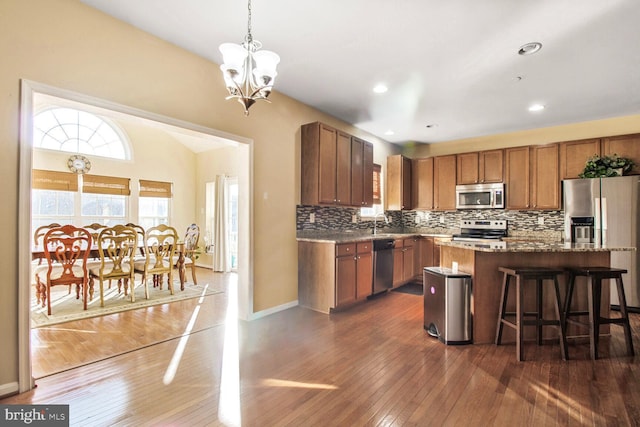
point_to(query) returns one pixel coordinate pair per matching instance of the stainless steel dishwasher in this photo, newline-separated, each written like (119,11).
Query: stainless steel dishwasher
(382,265)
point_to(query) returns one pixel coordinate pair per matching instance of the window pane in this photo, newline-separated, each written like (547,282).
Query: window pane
(105,206)
(153,211)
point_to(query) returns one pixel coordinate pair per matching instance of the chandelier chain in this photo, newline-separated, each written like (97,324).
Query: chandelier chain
(249,36)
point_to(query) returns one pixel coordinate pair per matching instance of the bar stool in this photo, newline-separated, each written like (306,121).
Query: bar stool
(522,274)
(594,277)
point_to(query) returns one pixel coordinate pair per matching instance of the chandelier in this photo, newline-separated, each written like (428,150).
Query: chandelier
(248,72)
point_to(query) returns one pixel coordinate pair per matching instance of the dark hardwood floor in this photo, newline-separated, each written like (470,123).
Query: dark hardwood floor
(371,365)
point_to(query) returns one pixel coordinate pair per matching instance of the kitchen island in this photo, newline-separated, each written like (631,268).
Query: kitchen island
(482,260)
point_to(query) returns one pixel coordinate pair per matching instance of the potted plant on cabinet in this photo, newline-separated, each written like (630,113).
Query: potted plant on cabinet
(606,166)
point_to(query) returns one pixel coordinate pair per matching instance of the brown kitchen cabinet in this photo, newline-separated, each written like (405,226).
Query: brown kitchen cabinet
(574,156)
(327,167)
(422,183)
(361,173)
(532,177)
(479,167)
(332,276)
(354,272)
(403,261)
(545,177)
(444,183)
(398,183)
(624,146)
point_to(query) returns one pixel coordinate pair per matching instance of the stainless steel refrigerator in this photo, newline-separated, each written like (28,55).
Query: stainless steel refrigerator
(604,211)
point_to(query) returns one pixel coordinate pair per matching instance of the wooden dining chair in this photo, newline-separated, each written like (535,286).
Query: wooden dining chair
(66,249)
(38,236)
(160,244)
(140,233)
(191,239)
(117,247)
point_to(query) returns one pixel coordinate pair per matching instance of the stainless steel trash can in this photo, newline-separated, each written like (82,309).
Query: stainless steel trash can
(447,305)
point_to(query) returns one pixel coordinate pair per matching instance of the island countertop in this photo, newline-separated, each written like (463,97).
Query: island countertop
(534,246)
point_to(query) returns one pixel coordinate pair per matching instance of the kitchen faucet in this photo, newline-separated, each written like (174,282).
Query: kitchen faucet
(375,221)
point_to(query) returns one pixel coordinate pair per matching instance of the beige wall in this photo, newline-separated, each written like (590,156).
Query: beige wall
(572,132)
(68,45)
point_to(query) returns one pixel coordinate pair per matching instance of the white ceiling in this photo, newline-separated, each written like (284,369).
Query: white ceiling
(450,64)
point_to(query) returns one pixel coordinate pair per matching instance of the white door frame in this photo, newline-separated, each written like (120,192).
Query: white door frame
(245,217)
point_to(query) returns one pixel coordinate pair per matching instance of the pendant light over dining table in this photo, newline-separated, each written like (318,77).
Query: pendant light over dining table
(248,72)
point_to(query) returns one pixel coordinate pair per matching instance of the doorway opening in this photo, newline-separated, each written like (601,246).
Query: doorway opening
(34,93)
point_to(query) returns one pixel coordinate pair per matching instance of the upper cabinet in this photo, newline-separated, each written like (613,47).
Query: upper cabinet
(444,183)
(398,183)
(574,155)
(532,177)
(480,167)
(332,163)
(623,146)
(422,183)
(361,172)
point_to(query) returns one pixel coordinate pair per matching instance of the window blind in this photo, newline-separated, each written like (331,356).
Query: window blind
(52,180)
(98,184)
(155,189)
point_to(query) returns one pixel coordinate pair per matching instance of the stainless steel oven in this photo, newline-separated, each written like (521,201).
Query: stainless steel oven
(480,196)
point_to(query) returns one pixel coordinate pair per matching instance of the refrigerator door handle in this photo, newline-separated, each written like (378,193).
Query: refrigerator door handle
(597,221)
(604,221)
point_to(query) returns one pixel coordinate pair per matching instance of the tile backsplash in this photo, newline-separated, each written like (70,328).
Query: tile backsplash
(547,224)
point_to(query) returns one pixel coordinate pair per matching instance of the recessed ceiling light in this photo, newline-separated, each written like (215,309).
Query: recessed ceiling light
(536,107)
(529,48)
(389,132)
(380,88)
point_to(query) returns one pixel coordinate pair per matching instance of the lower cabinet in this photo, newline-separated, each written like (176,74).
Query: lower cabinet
(354,272)
(404,261)
(332,276)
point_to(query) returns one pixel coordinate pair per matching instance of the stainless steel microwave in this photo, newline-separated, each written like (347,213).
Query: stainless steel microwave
(480,196)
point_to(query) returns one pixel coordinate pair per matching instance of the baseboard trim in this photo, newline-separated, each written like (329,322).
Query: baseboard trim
(272,310)
(8,388)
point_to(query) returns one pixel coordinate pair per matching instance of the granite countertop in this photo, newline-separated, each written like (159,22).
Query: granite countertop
(348,237)
(535,246)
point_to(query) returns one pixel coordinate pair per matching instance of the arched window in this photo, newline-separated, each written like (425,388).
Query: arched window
(75,131)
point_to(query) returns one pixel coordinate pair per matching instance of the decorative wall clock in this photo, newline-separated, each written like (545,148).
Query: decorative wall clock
(78,164)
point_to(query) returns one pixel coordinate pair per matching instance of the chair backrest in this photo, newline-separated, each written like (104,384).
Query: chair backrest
(140,230)
(66,249)
(117,246)
(191,238)
(41,231)
(95,229)
(160,248)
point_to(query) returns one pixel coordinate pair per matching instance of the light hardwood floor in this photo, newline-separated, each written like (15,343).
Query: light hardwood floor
(371,365)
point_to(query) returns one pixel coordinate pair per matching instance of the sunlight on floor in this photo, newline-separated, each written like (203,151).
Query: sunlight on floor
(229,402)
(177,355)
(272,382)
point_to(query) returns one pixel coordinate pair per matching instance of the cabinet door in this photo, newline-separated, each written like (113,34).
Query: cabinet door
(345,280)
(574,156)
(444,182)
(422,183)
(364,286)
(490,166)
(427,254)
(624,146)
(517,177)
(408,261)
(357,172)
(367,174)
(398,263)
(398,183)
(327,167)
(343,169)
(545,177)
(467,168)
